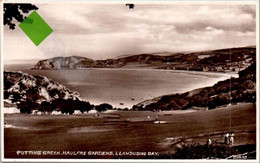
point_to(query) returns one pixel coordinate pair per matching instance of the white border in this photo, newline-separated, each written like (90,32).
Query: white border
(257,80)
(1,82)
(256,2)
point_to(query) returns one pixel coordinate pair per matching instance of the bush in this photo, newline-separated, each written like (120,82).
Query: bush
(85,106)
(27,106)
(32,94)
(6,94)
(69,106)
(65,106)
(103,107)
(45,107)
(16,97)
(196,151)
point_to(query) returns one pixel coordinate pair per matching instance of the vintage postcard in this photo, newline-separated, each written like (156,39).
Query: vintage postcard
(121,81)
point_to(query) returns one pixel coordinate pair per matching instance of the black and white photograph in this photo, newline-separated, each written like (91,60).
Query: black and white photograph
(128,80)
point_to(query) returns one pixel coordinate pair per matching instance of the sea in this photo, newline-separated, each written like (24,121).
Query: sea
(125,87)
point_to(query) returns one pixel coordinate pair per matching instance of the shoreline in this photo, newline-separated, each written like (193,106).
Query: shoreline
(213,76)
(202,73)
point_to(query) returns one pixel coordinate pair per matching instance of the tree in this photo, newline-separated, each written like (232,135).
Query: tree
(6,94)
(249,72)
(16,97)
(45,107)
(103,107)
(85,106)
(65,106)
(27,106)
(69,105)
(32,94)
(57,104)
(16,11)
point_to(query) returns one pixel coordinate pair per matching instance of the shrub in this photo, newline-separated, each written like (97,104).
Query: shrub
(196,151)
(69,106)
(45,107)
(85,106)
(103,107)
(6,94)
(27,106)
(16,97)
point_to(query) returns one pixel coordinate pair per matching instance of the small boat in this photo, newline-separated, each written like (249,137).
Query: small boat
(157,122)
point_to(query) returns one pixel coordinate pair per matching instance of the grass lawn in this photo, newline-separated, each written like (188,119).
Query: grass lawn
(125,131)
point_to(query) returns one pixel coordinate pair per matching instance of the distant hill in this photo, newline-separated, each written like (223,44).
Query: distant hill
(234,90)
(221,60)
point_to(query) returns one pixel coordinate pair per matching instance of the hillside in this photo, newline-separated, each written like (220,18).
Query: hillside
(38,93)
(222,60)
(72,62)
(234,90)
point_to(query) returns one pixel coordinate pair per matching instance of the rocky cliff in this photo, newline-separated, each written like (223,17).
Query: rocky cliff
(76,62)
(72,62)
(20,86)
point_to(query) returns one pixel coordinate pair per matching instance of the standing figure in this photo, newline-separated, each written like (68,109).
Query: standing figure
(209,142)
(96,115)
(156,118)
(232,138)
(227,138)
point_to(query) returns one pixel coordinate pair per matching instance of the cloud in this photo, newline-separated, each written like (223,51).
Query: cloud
(249,9)
(246,34)
(104,31)
(213,31)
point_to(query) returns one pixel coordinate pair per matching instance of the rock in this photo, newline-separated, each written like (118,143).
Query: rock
(72,62)
(21,87)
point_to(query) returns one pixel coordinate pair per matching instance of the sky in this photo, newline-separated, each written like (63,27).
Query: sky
(101,31)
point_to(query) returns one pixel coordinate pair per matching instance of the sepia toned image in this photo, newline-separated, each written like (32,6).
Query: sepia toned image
(151,81)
